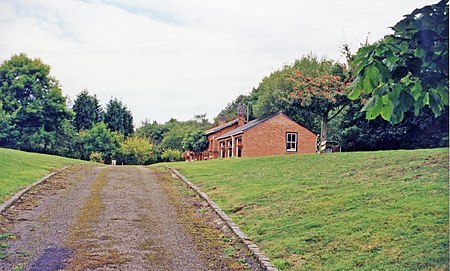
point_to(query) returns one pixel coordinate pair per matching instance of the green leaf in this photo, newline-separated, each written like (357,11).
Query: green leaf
(443,92)
(405,101)
(386,111)
(397,116)
(416,90)
(354,94)
(383,72)
(435,104)
(373,107)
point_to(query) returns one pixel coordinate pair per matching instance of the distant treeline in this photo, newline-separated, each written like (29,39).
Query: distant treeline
(34,116)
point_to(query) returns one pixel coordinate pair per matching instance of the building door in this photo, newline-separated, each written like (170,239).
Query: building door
(222,149)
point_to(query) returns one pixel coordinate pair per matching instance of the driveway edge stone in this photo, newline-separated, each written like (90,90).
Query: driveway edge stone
(252,247)
(7,204)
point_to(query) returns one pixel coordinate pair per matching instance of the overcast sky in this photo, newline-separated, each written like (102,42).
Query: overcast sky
(173,58)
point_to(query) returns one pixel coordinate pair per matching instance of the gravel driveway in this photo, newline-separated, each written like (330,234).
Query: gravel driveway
(99,218)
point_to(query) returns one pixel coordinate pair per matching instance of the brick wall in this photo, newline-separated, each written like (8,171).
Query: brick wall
(215,145)
(269,138)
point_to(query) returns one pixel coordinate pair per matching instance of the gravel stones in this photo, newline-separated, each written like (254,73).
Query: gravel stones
(99,218)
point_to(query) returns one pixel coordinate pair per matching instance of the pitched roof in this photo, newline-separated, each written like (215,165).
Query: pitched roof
(218,128)
(249,125)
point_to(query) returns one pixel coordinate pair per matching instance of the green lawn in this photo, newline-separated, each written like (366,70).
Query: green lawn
(19,169)
(384,210)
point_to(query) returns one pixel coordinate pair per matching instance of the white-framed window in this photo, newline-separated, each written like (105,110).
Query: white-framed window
(291,142)
(229,148)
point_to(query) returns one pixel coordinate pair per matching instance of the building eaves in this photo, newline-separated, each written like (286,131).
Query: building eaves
(221,127)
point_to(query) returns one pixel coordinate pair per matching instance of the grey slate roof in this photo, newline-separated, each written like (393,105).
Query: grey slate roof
(218,128)
(248,125)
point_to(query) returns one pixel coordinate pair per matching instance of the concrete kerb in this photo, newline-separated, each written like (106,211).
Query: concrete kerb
(7,204)
(252,247)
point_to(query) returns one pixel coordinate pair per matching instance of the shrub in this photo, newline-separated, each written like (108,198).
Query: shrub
(95,157)
(171,155)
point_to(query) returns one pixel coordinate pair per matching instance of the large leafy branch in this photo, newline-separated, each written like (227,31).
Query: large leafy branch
(407,70)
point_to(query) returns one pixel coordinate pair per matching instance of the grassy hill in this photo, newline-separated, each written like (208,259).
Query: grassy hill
(384,210)
(19,169)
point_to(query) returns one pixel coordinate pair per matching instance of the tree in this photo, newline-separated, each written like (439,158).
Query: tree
(100,139)
(173,138)
(33,102)
(177,131)
(67,141)
(319,87)
(195,141)
(5,125)
(407,70)
(274,95)
(153,131)
(87,111)
(118,118)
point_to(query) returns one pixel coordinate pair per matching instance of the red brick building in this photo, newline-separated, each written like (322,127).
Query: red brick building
(274,135)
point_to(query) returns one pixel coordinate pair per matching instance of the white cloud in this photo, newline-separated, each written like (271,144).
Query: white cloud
(176,58)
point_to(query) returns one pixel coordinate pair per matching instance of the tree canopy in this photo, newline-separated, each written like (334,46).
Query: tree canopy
(407,70)
(87,111)
(195,141)
(32,104)
(118,118)
(319,88)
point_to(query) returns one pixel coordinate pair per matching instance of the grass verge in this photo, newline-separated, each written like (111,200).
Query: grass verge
(367,211)
(19,169)
(213,239)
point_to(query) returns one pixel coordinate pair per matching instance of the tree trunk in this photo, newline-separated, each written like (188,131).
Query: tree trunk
(323,134)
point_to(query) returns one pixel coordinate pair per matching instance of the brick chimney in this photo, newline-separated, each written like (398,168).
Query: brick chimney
(221,119)
(241,115)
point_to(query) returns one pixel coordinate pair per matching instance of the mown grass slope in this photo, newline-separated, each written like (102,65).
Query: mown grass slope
(19,169)
(368,211)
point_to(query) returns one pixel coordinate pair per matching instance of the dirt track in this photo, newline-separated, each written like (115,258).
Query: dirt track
(114,218)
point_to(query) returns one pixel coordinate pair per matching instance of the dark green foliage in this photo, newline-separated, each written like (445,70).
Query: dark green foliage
(118,118)
(175,131)
(87,111)
(173,137)
(407,70)
(100,139)
(153,131)
(195,141)
(414,132)
(67,141)
(32,104)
